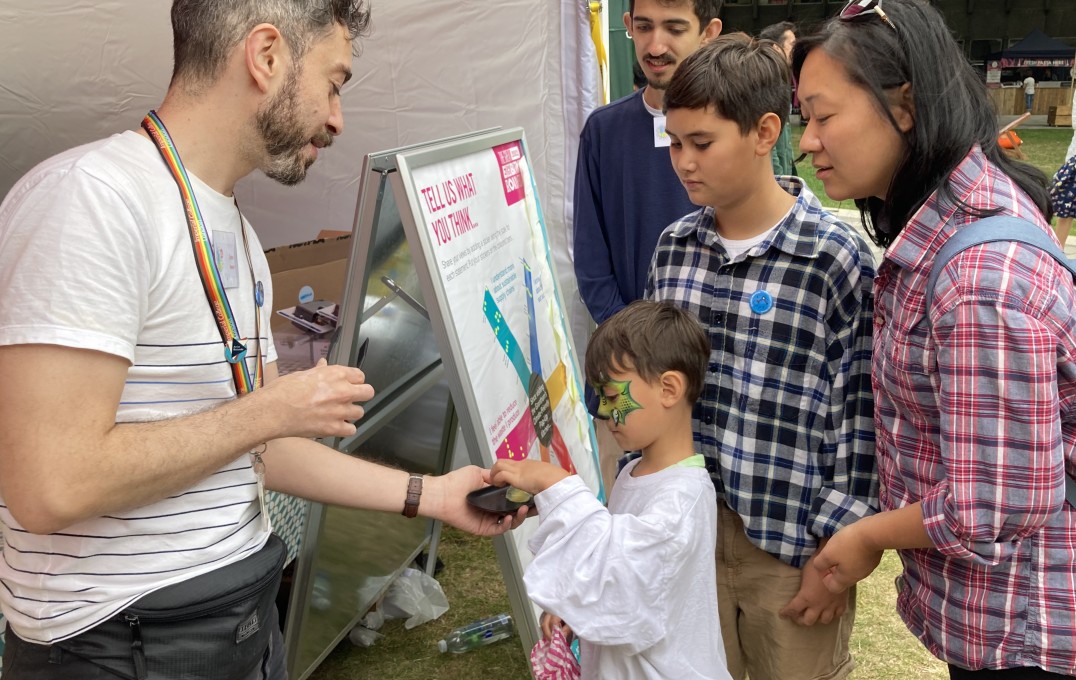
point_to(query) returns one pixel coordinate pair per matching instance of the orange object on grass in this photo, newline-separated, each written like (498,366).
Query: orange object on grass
(1009,140)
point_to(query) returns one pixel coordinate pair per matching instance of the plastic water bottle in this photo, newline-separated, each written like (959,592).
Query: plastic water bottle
(477,634)
(321,596)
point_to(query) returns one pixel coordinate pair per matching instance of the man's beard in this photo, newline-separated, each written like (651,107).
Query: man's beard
(284,136)
(660,83)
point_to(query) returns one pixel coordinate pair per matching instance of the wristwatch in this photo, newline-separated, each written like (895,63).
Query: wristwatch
(414,492)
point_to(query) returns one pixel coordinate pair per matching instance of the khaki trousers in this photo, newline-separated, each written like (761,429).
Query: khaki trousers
(752,587)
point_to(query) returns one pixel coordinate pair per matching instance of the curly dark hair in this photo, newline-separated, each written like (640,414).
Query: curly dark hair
(204,31)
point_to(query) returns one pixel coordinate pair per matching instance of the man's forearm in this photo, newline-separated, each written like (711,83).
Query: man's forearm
(136,464)
(308,469)
(311,470)
(64,459)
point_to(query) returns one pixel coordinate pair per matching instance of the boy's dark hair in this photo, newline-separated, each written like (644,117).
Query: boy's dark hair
(740,78)
(638,78)
(705,10)
(953,112)
(204,31)
(776,32)
(650,338)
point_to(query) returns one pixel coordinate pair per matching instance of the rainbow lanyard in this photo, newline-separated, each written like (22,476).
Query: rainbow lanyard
(234,350)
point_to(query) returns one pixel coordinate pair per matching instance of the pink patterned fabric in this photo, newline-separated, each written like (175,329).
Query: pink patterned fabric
(552,659)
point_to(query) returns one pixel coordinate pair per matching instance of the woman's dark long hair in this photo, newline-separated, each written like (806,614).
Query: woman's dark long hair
(952,111)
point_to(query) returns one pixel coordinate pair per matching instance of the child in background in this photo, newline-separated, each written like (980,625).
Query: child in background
(634,581)
(1063,187)
(785,418)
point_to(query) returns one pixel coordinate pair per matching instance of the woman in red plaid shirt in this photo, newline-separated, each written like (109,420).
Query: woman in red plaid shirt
(973,396)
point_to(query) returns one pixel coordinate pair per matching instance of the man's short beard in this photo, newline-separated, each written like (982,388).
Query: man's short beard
(283,135)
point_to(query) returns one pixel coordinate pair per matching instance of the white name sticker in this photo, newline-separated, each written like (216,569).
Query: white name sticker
(227,258)
(661,138)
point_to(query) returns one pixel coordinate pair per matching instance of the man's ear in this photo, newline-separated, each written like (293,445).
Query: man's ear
(264,53)
(673,384)
(711,30)
(768,129)
(903,107)
(627,22)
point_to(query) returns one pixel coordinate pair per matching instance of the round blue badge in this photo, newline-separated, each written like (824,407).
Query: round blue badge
(259,294)
(761,302)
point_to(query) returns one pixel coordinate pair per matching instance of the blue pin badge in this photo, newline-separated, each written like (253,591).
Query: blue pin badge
(761,302)
(259,294)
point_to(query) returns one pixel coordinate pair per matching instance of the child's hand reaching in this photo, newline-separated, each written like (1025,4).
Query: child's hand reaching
(532,476)
(552,657)
(549,622)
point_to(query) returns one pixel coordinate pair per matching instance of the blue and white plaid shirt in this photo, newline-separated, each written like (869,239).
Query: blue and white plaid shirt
(785,419)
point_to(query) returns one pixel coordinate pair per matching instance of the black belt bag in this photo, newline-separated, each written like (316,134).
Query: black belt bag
(212,627)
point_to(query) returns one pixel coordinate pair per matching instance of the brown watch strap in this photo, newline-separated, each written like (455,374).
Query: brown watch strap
(414,492)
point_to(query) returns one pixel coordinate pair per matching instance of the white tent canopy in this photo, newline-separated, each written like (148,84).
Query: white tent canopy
(76,72)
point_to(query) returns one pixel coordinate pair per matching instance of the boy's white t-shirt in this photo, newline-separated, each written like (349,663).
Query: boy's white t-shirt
(636,581)
(735,247)
(95,254)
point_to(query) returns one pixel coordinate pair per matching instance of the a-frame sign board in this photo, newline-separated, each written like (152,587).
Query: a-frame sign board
(479,247)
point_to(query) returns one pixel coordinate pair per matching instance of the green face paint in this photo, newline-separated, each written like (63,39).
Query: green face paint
(618,406)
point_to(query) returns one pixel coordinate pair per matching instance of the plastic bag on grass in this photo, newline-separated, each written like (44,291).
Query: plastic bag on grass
(374,619)
(361,636)
(365,634)
(415,596)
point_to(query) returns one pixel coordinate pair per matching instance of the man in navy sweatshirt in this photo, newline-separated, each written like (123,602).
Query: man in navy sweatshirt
(626,192)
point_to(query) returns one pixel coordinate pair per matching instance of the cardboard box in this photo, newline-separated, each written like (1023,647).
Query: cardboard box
(320,264)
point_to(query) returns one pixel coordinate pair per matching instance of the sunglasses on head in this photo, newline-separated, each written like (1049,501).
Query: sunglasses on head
(858,8)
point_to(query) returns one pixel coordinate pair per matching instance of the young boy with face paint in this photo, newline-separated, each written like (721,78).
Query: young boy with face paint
(784,421)
(635,581)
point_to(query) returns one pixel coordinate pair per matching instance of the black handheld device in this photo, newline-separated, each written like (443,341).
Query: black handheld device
(501,500)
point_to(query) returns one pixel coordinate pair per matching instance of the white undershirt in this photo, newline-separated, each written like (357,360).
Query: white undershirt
(736,247)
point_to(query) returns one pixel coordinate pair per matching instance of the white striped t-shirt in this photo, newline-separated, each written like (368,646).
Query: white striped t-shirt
(95,254)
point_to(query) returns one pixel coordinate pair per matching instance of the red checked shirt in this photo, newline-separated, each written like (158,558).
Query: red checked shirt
(977,421)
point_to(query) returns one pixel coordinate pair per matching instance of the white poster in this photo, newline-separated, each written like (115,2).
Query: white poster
(492,256)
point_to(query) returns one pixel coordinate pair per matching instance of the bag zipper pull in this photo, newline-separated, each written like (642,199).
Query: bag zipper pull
(138,654)
(258,465)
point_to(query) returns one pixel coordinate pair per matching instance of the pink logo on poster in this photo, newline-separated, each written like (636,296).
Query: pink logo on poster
(508,157)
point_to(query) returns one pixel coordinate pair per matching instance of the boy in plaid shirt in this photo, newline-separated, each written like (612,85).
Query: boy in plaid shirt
(785,417)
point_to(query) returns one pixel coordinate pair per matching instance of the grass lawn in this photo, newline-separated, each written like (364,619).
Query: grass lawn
(471,579)
(475,589)
(882,646)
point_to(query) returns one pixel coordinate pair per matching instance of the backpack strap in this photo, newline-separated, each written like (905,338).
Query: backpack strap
(989,230)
